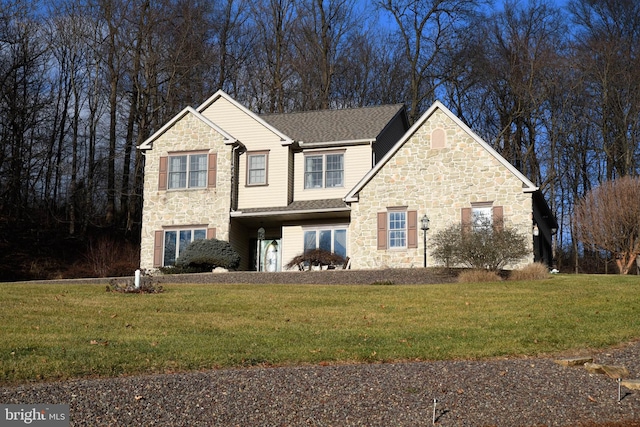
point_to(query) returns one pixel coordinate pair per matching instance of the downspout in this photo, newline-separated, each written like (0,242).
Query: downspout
(373,154)
(235,155)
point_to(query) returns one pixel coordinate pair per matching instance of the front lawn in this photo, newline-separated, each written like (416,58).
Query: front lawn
(50,332)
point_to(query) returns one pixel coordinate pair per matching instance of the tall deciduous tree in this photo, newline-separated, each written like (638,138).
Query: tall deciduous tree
(272,79)
(608,219)
(607,52)
(23,58)
(322,28)
(426,28)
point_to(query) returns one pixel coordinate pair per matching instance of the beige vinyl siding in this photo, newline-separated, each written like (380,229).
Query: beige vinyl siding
(272,194)
(238,123)
(292,243)
(255,137)
(357,162)
(239,240)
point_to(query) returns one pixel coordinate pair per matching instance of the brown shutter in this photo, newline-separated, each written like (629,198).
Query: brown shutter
(211,233)
(412,229)
(211,178)
(498,218)
(162,176)
(382,230)
(157,248)
(466,219)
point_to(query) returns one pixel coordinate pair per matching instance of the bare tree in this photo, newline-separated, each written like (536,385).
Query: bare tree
(489,246)
(323,27)
(229,42)
(425,29)
(608,219)
(608,55)
(369,73)
(516,52)
(23,103)
(272,75)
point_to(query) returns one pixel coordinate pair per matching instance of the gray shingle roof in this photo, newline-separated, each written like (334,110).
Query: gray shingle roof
(334,125)
(302,205)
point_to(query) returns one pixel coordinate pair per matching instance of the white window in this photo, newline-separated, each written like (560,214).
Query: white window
(329,239)
(257,169)
(397,229)
(324,170)
(481,216)
(335,170)
(175,241)
(188,171)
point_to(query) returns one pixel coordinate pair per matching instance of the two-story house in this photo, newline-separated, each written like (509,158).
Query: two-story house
(353,181)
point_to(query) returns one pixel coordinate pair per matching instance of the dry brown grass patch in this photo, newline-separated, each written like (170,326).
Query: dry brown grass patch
(474,276)
(534,271)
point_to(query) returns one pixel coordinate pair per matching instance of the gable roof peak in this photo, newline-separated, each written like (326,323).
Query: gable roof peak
(148,143)
(286,140)
(527,185)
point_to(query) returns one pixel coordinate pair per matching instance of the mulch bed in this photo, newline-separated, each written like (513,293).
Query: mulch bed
(389,276)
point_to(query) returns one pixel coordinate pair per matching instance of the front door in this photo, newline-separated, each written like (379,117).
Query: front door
(269,253)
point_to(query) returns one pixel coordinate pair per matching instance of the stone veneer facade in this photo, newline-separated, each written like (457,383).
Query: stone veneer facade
(205,208)
(438,182)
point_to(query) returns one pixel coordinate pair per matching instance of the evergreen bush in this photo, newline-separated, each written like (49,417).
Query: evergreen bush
(205,255)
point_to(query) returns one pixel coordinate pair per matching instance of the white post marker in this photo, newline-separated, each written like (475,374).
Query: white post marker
(435,401)
(136,280)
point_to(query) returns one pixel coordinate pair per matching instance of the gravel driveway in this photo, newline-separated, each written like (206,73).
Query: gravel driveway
(509,392)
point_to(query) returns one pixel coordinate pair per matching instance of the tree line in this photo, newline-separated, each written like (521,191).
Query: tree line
(555,90)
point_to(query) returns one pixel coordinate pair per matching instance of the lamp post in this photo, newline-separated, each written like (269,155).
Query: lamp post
(424,226)
(260,239)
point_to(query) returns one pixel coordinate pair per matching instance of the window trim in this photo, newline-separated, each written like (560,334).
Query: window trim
(411,228)
(165,175)
(496,216)
(481,215)
(332,229)
(250,154)
(209,233)
(188,171)
(324,170)
(404,229)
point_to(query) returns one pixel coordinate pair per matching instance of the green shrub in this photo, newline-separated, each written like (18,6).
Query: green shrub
(183,269)
(205,255)
(476,276)
(535,271)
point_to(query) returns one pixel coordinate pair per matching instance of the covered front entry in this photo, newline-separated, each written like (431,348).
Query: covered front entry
(267,239)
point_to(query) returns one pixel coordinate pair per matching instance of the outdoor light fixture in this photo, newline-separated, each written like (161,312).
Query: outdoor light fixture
(424,226)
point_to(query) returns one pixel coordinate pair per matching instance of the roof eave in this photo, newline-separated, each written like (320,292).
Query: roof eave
(352,142)
(239,213)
